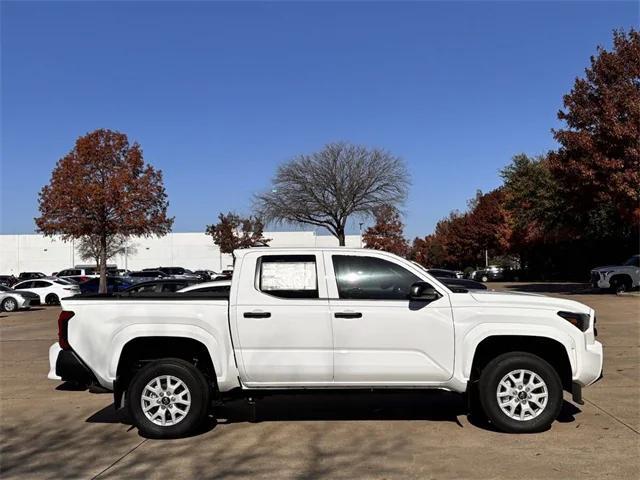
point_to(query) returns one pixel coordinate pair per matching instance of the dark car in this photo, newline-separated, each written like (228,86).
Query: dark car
(8,280)
(160,286)
(442,273)
(147,275)
(30,275)
(489,274)
(457,283)
(203,275)
(114,285)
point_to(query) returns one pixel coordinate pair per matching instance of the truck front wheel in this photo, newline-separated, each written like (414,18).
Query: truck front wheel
(168,398)
(520,393)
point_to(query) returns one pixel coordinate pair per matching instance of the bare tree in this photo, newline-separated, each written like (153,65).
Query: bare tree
(90,247)
(327,187)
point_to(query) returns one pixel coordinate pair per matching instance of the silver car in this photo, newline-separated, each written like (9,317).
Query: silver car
(10,300)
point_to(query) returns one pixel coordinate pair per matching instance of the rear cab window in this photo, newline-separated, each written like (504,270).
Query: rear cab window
(288,276)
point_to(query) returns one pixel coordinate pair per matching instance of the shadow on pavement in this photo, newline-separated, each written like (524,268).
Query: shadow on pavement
(435,406)
(62,446)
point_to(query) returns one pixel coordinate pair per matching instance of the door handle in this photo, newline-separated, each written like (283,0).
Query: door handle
(257,314)
(347,315)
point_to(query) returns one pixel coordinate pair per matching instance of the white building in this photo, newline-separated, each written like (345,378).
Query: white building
(27,253)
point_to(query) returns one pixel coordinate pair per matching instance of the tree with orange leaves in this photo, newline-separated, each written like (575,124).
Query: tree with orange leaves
(598,162)
(103,188)
(387,233)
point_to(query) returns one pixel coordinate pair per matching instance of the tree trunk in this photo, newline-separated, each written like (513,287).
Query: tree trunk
(341,236)
(103,264)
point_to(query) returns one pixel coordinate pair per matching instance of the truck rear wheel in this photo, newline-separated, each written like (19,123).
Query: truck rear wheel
(520,393)
(168,398)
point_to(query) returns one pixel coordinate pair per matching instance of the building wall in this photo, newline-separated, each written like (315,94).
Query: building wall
(22,253)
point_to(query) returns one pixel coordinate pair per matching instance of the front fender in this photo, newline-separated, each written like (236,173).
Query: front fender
(476,335)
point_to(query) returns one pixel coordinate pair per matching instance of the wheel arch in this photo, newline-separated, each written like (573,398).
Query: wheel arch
(624,277)
(137,345)
(552,350)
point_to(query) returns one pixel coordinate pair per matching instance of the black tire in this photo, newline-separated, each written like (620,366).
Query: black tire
(493,374)
(620,284)
(9,304)
(52,299)
(198,389)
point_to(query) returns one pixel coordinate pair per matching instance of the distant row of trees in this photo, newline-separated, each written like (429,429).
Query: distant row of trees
(573,207)
(558,211)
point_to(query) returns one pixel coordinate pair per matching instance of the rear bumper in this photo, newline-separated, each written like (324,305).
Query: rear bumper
(54,350)
(65,365)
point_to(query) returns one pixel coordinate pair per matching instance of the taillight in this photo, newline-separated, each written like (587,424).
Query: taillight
(63,329)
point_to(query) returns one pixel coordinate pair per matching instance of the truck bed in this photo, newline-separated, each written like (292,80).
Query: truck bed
(152,296)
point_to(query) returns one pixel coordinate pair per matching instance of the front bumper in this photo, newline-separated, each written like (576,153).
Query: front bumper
(23,302)
(590,362)
(599,281)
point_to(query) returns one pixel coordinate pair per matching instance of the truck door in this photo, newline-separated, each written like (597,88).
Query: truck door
(283,328)
(380,337)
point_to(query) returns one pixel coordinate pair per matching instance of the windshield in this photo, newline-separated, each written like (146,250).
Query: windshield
(633,261)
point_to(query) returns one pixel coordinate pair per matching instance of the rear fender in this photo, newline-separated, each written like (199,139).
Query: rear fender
(219,351)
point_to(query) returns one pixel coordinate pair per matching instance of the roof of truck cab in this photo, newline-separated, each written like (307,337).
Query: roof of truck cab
(243,251)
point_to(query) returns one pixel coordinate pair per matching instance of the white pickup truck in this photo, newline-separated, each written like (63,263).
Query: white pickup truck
(618,278)
(328,319)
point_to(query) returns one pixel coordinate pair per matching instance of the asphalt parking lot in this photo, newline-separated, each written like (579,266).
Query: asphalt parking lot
(51,431)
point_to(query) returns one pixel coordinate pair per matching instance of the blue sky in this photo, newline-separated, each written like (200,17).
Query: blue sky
(218,94)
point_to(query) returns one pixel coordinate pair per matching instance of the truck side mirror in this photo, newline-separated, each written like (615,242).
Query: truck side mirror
(423,292)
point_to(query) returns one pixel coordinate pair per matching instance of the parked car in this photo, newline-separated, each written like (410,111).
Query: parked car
(175,272)
(328,318)
(220,286)
(492,273)
(8,280)
(443,273)
(77,272)
(161,285)
(203,275)
(618,278)
(462,283)
(10,300)
(114,285)
(30,275)
(50,290)
(147,275)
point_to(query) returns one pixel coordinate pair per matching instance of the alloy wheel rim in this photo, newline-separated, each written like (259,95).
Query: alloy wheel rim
(10,305)
(165,400)
(522,395)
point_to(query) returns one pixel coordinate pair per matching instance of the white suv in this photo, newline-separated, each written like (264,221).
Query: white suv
(619,278)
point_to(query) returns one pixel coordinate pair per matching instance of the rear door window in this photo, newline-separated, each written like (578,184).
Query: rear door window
(288,276)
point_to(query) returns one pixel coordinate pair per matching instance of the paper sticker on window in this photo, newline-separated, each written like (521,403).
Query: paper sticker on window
(288,276)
